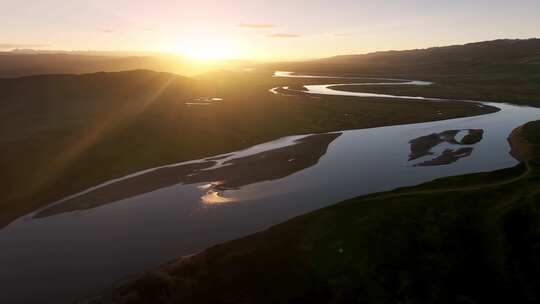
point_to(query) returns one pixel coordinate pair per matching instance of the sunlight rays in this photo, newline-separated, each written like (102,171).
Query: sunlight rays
(76,147)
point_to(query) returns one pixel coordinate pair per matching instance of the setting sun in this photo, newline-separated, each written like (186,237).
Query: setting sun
(211,49)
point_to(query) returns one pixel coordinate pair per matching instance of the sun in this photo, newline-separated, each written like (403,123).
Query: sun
(211,49)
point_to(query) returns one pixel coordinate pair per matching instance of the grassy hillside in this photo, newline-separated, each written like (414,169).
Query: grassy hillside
(60,134)
(479,57)
(500,70)
(468,239)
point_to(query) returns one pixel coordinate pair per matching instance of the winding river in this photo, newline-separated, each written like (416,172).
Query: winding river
(81,244)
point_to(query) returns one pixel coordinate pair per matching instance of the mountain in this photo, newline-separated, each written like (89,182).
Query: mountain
(507,50)
(505,55)
(20,63)
(500,70)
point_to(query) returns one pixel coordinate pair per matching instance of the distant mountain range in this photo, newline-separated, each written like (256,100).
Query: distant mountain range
(503,49)
(25,62)
(487,56)
(500,56)
(30,51)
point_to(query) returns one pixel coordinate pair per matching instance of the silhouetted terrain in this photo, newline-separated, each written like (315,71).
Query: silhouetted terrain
(479,57)
(17,64)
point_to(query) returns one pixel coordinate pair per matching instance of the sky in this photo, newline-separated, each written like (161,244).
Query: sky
(261,29)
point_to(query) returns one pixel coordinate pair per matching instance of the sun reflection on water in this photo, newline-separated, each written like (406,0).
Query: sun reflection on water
(213,197)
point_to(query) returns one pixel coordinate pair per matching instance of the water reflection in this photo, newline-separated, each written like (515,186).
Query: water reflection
(229,174)
(204,101)
(213,197)
(450,141)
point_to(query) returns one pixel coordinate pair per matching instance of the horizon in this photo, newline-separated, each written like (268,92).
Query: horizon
(260,30)
(137,53)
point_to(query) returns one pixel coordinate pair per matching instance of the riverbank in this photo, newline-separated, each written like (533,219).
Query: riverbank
(470,245)
(497,87)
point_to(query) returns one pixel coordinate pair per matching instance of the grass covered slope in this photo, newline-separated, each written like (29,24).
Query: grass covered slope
(496,56)
(60,134)
(422,244)
(500,70)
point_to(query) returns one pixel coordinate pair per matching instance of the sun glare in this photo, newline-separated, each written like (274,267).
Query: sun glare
(212,49)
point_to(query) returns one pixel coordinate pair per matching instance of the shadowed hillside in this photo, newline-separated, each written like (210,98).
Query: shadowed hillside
(479,57)
(20,63)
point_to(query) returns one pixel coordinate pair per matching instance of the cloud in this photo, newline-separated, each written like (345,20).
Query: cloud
(20,46)
(282,35)
(106,30)
(341,34)
(257,25)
